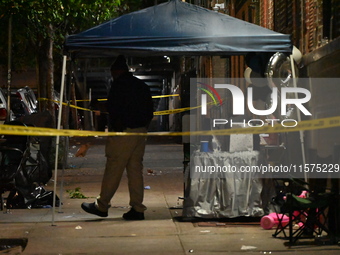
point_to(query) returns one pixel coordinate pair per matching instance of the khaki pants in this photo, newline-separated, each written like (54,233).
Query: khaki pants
(124,152)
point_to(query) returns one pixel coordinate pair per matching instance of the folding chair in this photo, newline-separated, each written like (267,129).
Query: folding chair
(307,216)
(283,187)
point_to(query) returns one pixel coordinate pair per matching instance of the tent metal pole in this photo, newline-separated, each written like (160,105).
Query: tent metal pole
(9,69)
(302,141)
(57,137)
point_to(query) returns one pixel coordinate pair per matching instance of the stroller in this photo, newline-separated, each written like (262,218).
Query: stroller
(23,171)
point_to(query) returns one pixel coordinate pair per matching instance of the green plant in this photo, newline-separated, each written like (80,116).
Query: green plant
(76,193)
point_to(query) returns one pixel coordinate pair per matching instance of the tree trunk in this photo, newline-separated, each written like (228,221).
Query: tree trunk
(46,69)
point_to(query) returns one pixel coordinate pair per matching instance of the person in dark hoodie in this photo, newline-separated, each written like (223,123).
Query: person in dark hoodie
(130,110)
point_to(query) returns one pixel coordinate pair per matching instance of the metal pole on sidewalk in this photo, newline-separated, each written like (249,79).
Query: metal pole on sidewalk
(58,137)
(299,119)
(9,67)
(64,159)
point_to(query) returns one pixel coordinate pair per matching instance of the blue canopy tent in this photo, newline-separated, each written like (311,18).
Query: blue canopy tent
(172,28)
(176,28)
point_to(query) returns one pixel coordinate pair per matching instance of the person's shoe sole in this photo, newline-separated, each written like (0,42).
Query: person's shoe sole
(91,208)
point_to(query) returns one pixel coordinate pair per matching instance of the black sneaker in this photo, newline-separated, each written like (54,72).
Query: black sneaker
(133,215)
(91,208)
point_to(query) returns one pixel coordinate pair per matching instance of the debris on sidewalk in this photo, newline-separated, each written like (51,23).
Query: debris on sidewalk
(247,247)
(76,193)
(81,152)
(150,171)
(205,231)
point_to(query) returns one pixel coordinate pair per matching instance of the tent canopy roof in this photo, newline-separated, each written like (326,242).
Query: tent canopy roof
(176,28)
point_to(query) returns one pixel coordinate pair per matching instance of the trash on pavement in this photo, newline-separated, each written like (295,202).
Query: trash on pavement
(247,247)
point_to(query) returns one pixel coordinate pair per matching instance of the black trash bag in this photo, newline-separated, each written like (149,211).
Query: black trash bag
(37,198)
(44,199)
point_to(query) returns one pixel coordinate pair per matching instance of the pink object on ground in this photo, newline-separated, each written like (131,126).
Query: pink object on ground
(271,220)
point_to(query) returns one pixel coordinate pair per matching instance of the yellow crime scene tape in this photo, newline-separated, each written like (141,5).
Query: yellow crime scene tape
(165,112)
(67,104)
(162,96)
(303,125)
(104,99)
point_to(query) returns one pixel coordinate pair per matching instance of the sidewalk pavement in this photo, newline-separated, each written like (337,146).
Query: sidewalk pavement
(162,232)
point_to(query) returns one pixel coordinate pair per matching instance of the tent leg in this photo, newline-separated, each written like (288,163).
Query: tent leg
(57,137)
(302,141)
